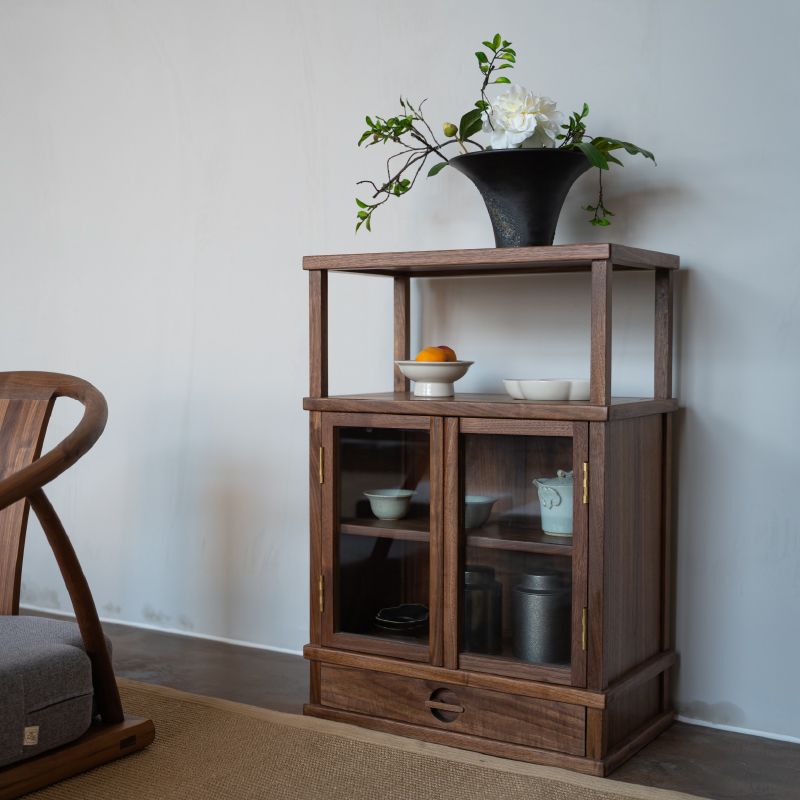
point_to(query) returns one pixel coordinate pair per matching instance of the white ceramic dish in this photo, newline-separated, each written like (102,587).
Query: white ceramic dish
(513,388)
(477,509)
(579,390)
(545,389)
(389,503)
(434,378)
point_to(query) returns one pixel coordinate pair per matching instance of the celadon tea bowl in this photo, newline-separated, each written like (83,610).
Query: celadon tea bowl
(477,509)
(555,499)
(389,503)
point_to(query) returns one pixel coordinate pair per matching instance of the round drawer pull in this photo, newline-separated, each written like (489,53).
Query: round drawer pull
(444,705)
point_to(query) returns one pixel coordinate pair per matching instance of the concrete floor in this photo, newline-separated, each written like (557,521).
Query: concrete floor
(687,758)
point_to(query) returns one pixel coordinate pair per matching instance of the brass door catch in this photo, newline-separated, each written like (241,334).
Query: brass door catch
(584,627)
(585,482)
(321,594)
(322,465)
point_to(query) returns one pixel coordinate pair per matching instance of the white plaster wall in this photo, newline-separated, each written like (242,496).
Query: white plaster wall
(164,164)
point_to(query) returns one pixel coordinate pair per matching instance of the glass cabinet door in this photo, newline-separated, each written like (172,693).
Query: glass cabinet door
(380,536)
(521,523)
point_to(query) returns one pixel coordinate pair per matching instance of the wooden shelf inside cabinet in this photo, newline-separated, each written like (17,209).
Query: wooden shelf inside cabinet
(417,639)
(506,659)
(504,663)
(407,530)
(517,538)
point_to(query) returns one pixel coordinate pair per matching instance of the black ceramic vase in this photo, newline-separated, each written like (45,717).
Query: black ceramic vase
(523,190)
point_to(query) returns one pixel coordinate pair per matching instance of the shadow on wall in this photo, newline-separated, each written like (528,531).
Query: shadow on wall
(717,713)
(635,209)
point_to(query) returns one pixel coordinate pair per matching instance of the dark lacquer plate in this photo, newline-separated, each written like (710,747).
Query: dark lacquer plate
(403,618)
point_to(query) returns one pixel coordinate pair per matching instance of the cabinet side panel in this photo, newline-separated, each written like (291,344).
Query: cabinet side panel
(315,525)
(631,710)
(632,544)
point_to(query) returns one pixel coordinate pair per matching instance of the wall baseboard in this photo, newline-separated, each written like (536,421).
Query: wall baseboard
(779,737)
(163,629)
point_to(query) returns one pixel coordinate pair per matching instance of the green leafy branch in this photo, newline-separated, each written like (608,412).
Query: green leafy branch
(411,131)
(502,57)
(598,151)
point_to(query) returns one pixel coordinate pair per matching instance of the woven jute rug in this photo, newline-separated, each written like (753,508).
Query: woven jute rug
(208,749)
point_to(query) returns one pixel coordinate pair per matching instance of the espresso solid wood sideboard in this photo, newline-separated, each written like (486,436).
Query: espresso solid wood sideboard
(471,620)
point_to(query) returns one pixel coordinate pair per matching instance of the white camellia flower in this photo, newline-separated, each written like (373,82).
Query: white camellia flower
(517,116)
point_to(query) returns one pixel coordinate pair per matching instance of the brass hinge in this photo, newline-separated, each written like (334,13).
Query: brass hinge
(321,594)
(585,482)
(322,465)
(584,627)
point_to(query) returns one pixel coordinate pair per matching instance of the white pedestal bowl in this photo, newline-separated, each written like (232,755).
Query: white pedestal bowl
(434,378)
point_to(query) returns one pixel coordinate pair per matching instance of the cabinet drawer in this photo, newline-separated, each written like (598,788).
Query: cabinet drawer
(462,709)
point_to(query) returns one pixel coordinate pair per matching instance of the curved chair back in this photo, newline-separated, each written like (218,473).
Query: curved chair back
(26,401)
(23,422)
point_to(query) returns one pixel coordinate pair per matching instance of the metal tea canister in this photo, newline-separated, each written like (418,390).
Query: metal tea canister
(540,618)
(555,499)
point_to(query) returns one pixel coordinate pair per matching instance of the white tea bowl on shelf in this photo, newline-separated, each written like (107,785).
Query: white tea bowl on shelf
(477,509)
(389,503)
(434,378)
(545,389)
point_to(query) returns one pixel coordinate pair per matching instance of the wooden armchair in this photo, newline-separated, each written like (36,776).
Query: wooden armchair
(26,401)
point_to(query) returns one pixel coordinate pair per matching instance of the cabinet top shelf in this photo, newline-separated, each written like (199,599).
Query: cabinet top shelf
(492,260)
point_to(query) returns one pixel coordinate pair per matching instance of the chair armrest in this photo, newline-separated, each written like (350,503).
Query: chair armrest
(24,384)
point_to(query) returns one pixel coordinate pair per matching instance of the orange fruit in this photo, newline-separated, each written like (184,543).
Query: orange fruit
(432,354)
(451,354)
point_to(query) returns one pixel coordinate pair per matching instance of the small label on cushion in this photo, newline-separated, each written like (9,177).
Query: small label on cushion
(31,736)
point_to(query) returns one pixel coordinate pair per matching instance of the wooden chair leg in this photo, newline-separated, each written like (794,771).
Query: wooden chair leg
(99,745)
(105,684)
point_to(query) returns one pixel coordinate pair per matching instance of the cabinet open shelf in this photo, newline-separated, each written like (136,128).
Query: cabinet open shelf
(410,530)
(495,406)
(518,538)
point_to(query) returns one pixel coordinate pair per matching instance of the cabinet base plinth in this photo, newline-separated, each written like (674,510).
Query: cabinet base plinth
(532,755)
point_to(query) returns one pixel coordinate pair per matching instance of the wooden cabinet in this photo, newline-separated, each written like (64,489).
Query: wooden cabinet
(472,618)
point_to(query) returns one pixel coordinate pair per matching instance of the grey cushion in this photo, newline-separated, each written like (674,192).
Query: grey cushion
(45,686)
